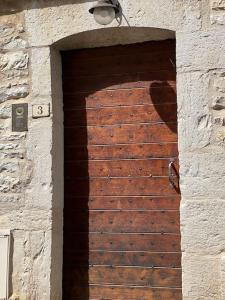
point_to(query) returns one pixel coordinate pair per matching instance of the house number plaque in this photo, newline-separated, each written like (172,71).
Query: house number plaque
(19,117)
(40,110)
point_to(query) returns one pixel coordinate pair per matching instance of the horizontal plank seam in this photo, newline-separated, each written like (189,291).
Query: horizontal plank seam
(119,89)
(130,88)
(130,251)
(125,144)
(108,266)
(136,286)
(125,210)
(120,124)
(119,106)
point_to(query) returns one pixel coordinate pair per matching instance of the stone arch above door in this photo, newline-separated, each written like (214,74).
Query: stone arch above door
(51,21)
(104,37)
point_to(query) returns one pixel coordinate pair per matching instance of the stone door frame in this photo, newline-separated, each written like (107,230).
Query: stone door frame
(200,69)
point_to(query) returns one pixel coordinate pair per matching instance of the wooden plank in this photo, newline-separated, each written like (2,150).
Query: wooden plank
(132,151)
(121,97)
(152,277)
(123,203)
(123,221)
(120,81)
(129,115)
(99,292)
(117,168)
(126,59)
(121,134)
(143,186)
(121,242)
(139,259)
(120,65)
(166,46)
(124,293)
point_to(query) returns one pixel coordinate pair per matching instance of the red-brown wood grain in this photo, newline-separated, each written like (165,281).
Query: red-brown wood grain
(124,221)
(125,151)
(129,115)
(152,277)
(120,64)
(122,97)
(143,203)
(141,259)
(123,242)
(121,214)
(99,292)
(119,81)
(121,134)
(118,168)
(143,186)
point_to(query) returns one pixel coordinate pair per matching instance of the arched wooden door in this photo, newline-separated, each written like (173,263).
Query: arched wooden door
(121,216)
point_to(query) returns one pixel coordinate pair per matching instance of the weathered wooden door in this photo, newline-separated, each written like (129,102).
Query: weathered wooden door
(121,217)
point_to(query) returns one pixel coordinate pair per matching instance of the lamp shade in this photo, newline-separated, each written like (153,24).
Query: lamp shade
(104,15)
(104,12)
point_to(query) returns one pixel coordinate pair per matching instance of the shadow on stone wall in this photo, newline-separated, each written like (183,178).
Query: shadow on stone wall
(13,6)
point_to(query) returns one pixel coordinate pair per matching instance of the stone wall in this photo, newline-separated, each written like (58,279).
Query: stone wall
(18,212)
(31,164)
(15,167)
(218,12)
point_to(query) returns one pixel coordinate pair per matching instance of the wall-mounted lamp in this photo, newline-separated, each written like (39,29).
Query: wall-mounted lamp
(105,11)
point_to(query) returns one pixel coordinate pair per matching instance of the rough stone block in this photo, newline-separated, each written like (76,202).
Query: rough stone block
(201,50)
(13,43)
(12,150)
(12,32)
(194,116)
(9,199)
(10,184)
(6,30)
(218,82)
(218,103)
(218,4)
(14,92)
(202,226)
(217,12)
(31,261)
(14,60)
(13,137)
(223,275)
(9,167)
(9,146)
(203,188)
(35,218)
(193,164)
(201,277)
(41,72)
(5,111)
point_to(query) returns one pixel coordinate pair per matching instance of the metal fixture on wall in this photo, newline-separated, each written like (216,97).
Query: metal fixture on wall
(105,11)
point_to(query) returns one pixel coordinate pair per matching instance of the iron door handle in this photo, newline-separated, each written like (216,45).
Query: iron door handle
(172,173)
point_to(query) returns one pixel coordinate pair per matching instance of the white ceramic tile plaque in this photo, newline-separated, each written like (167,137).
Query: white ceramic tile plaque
(40,110)
(4,263)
